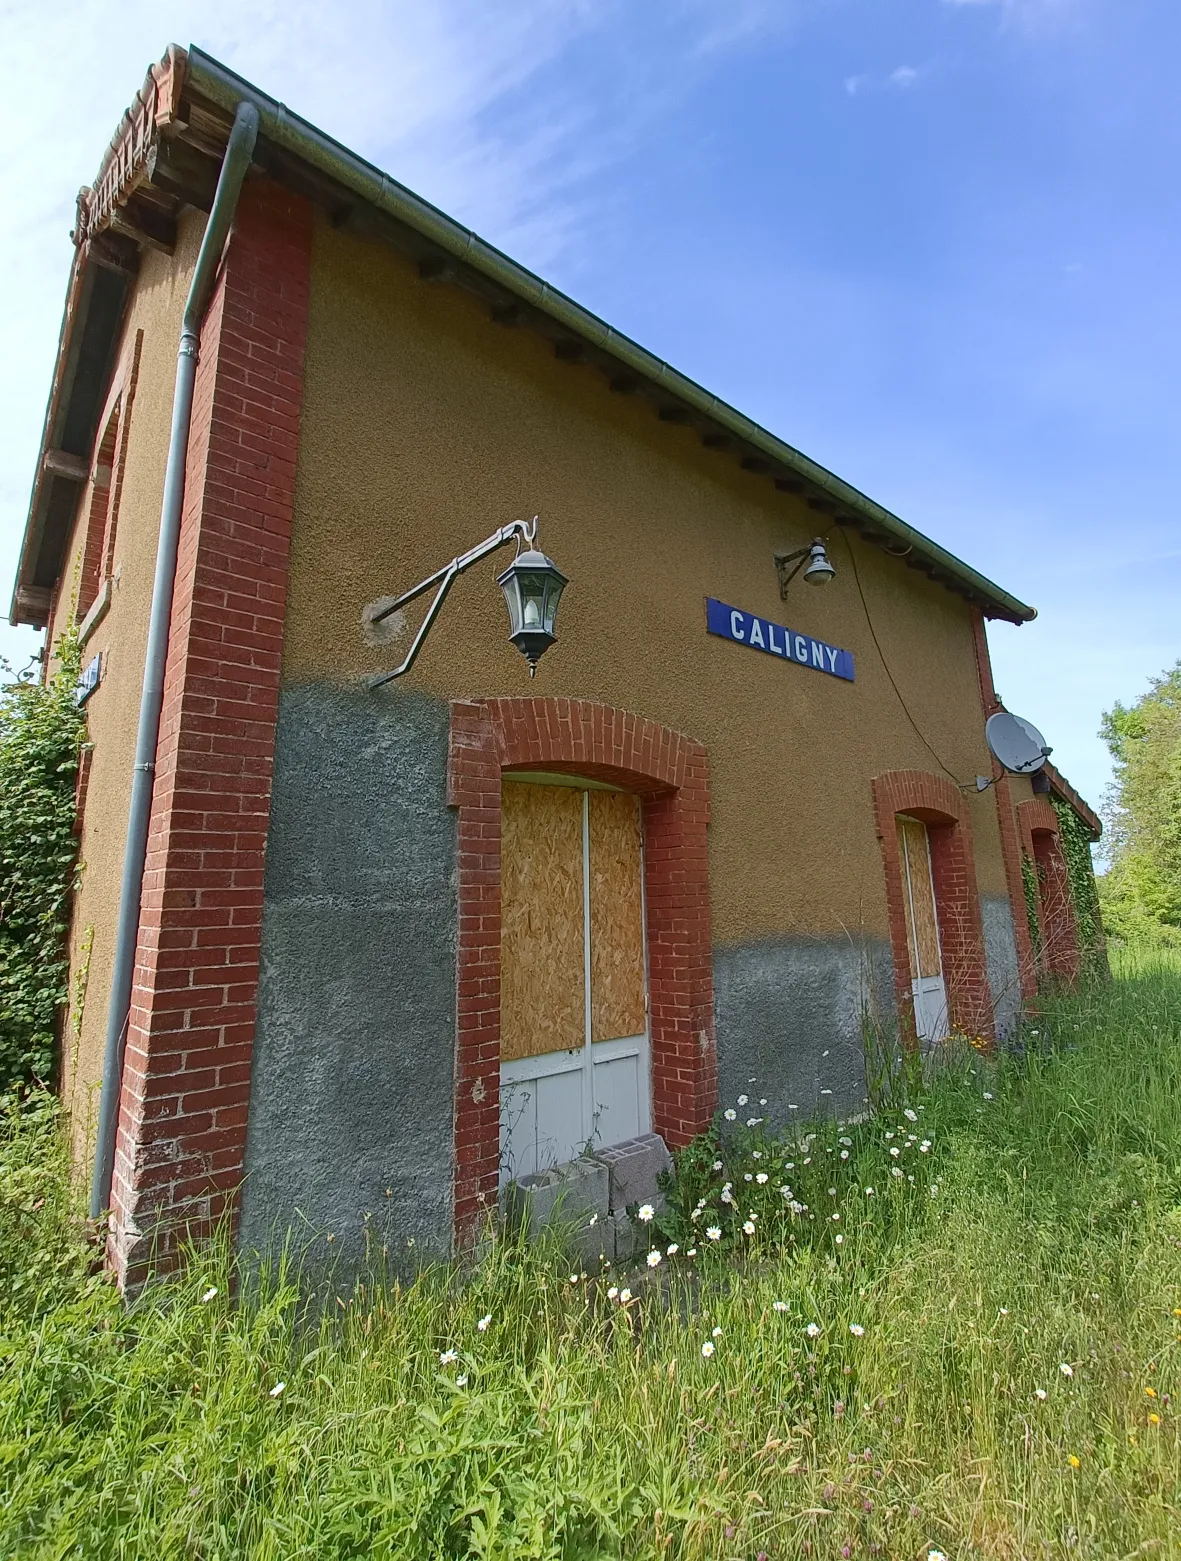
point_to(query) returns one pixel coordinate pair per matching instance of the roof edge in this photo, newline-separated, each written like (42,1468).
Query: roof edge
(225,88)
(120,181)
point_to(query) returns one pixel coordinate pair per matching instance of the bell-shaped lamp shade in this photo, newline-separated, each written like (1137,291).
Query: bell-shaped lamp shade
(819,570)
(532,585)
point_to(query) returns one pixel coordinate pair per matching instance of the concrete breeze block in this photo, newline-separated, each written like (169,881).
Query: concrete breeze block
(568,1194)
(634,1166)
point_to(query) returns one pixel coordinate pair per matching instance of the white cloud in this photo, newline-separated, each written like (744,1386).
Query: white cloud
(902,77)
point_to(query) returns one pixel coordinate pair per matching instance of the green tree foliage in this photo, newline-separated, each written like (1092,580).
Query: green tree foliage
(1142,892)
(41,730)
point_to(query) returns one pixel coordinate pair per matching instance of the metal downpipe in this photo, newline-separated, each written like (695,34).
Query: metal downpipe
(239,150)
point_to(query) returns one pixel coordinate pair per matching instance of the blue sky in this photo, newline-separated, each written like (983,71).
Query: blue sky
(932,243)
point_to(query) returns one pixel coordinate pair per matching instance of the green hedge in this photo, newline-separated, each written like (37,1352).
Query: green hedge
(41,730)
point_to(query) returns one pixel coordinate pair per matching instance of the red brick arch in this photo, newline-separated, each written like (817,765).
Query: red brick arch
(1042,843)
(941,807)
(670,773)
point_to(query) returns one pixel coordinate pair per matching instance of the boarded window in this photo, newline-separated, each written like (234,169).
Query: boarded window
(542,964)
(561,850)
(616,916)
(922,930)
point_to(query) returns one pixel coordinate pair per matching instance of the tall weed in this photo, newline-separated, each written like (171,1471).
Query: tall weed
(991,1371)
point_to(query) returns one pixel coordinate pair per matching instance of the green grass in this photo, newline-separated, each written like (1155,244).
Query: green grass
(590,1429)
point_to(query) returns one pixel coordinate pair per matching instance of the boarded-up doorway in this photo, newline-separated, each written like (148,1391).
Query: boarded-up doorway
(573,983)
(922,930)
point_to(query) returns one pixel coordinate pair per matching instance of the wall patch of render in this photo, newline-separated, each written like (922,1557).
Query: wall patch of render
(352,1083)
(789,1023)
(1000,954)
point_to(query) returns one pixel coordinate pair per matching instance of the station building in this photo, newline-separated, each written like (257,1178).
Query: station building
(397,945)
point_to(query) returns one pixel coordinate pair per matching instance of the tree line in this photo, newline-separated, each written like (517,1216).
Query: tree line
(1141,891)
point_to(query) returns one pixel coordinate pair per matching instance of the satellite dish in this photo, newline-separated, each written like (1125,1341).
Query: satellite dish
(1015,743)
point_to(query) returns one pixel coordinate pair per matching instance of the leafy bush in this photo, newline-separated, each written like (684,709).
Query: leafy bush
(739,1186)
(41,730)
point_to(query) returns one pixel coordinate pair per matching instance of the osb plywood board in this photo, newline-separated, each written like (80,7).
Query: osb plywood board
(616,916)
(542,979)
(921,923)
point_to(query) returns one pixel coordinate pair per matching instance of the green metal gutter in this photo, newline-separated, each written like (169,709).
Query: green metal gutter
(288,131)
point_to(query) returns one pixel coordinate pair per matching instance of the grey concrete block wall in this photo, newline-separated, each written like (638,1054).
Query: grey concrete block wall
(1000,952)
(352,1086)
(789,1018)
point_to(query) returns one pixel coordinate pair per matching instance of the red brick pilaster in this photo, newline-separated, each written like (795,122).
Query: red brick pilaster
(1042,842)
(1006,814)
(186,1081)
(953,869)
(670,773)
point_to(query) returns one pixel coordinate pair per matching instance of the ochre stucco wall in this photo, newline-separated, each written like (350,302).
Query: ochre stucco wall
(112,712)
(426,425)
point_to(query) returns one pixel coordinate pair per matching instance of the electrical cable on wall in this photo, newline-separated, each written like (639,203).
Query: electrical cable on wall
(893,684)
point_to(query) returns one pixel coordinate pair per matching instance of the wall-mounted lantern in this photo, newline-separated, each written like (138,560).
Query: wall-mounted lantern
(532,585)
(819,569)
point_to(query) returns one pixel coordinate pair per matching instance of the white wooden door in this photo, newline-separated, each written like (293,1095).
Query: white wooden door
(922,930)
(575,1068)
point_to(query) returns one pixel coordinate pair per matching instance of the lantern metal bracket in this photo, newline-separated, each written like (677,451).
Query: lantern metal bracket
(800,557)
(782,560)
(523,531)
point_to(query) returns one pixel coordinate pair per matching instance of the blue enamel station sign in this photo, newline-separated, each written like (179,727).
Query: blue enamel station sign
(747,628)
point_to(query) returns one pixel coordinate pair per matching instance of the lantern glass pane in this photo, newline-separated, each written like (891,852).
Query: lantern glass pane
(512,600)
(532,600)
(552,594)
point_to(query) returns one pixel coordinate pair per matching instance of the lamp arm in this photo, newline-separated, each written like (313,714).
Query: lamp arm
(522,530)
(799,558)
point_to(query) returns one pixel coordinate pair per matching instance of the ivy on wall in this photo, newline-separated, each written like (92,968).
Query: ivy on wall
(1030,884)
(41,728)
(1080,871)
